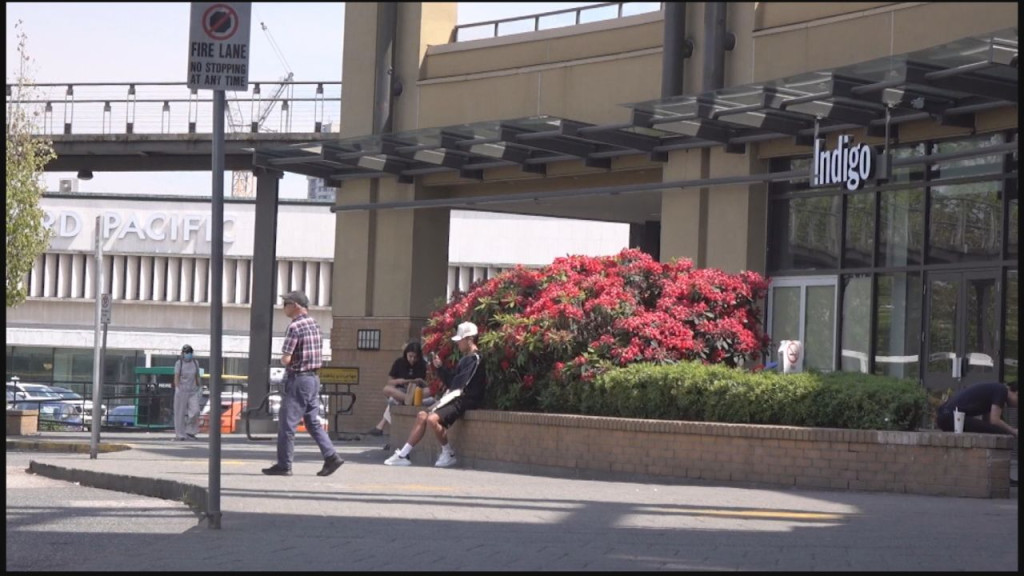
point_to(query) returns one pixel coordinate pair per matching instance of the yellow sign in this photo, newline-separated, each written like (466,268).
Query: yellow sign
(339,375)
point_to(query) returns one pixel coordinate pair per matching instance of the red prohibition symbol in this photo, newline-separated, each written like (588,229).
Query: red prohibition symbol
(220,22)
(793,352)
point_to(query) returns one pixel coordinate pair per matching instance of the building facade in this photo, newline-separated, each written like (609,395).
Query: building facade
(862,155)
(156,269)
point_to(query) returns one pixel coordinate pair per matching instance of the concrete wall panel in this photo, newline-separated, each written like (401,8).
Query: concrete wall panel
(772,14)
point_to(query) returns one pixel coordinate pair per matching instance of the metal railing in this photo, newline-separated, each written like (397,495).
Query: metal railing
(554,19)
(95,108)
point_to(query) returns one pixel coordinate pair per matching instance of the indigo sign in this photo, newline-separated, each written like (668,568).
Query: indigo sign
(849,165)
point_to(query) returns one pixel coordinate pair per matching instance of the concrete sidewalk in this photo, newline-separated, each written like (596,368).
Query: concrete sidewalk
(368,516)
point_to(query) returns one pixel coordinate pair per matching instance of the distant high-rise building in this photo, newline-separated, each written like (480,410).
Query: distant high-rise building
(317,189)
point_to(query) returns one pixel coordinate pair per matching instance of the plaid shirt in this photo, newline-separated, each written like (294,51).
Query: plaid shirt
(302,340)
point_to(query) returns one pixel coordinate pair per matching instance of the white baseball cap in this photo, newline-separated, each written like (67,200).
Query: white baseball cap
(465,329)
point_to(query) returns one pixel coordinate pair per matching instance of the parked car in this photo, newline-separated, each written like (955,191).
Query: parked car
(82,407)
(232,405)
(121,417)
(55,413)
(22,391)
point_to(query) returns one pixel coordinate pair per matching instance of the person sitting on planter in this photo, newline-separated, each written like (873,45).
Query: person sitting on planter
(464,390)
(407,373)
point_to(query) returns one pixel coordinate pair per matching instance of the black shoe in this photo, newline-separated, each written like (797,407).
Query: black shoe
(277,470)
(375,432)
(192,437)
(330,465)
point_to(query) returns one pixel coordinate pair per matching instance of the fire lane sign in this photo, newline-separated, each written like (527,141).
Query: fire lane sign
(218,45)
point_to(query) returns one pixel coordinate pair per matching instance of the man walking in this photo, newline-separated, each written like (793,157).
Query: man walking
(301,356)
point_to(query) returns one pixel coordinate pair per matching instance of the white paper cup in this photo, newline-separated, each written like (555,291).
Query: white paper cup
(958,421)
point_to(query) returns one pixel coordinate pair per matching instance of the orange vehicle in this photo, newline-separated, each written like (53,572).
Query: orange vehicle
(233,402)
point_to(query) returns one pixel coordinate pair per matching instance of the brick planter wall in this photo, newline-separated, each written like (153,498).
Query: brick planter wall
(928,462)
(22,422)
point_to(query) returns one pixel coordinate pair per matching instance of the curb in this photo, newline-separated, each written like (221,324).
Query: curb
(195,497)
(40,445)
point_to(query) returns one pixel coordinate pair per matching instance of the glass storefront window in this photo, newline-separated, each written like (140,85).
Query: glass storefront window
(898,325)
(162,360)
(860,231)
(966,222)
(974,166)
(236,366)
(901,228)
(73,364)
(787,165)
(912,173)
(1013,220)
(819,328)
(1011,334)
(939,220)
(31,364)
(119,365)
(804,309)
(785,315)
(856,335)
(806,233)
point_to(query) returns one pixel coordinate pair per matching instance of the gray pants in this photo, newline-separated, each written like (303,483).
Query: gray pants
(300,400)
(186,410)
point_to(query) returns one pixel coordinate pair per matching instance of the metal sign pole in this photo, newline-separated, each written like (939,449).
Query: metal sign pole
(216,267)
(218,61)
(97,362)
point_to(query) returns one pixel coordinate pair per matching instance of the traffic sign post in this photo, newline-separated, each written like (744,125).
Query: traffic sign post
(218,46)
(97,352)
(105,308)
(218,60)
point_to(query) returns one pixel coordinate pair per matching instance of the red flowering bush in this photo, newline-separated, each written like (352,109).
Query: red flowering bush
(542,331)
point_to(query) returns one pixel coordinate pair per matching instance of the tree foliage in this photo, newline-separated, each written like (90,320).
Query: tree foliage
(542,331)
(27,154)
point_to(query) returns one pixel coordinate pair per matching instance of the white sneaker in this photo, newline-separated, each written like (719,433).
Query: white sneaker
(445,460)
(397,460)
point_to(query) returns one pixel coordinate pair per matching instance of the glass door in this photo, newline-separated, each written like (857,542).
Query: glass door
(962,329)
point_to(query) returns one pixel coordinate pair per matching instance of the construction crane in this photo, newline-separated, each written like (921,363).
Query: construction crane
(242,184)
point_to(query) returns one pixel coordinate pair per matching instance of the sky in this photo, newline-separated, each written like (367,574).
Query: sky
(148,42)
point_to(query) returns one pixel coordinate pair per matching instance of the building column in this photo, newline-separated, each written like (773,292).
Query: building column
(387,280)
(682,226)
(737,215)
(391,266)
(261,309)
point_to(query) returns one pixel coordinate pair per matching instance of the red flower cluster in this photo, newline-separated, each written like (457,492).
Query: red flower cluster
(583,315)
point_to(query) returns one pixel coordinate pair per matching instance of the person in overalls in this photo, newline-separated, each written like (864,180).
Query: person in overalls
(186,395)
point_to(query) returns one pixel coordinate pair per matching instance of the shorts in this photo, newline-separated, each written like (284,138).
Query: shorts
(451,412)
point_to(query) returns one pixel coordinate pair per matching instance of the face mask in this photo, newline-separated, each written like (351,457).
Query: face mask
(188,356)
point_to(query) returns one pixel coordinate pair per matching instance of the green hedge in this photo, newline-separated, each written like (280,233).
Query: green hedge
(714,393)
